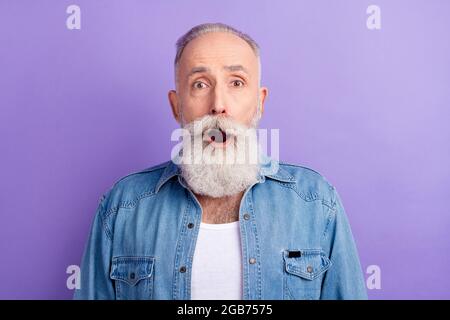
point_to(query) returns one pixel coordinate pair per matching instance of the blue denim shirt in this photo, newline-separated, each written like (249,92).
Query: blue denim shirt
(295,237)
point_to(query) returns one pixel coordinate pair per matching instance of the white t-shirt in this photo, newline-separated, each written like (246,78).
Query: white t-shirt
(217,264)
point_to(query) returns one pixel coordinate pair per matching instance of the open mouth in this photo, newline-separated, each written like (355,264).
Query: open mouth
(216,136)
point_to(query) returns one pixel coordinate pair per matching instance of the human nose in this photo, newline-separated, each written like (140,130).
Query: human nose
(219,105)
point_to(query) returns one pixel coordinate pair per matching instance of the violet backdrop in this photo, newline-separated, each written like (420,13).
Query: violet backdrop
(368,109)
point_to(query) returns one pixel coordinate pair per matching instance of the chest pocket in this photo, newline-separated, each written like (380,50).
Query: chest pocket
(133,277)
(303,273)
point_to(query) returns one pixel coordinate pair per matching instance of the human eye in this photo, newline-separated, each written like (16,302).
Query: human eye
(237,83)
(199,85)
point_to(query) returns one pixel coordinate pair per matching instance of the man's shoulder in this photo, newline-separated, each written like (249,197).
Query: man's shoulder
(309,183)
(131,187)
(154,171)
(301,171)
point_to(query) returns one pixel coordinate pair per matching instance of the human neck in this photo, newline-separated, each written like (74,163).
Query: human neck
(220,210)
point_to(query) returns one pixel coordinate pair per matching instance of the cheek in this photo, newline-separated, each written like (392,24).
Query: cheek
(194,108)
(244,108)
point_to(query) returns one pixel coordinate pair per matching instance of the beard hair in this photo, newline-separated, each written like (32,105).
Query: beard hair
(220,172)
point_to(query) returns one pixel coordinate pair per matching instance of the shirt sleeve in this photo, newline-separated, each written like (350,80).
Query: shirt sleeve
(344,279)
(95,282)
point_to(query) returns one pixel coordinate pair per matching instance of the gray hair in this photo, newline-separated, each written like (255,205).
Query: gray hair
(204,28)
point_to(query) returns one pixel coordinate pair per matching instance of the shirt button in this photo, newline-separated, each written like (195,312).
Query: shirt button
(132,276)
(252,260)
(246,216)
(309,269)
(183,269)
(190,225)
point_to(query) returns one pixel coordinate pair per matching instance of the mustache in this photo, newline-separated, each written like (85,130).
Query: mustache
(225,124)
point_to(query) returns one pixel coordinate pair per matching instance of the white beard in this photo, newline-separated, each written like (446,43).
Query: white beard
(219,172)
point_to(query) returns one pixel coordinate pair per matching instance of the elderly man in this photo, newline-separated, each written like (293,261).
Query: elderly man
(207,226)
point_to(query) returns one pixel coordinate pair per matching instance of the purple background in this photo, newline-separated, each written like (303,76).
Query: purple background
(369,109)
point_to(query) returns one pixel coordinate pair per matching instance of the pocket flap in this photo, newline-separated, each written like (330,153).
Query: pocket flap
(306,263)
(132,269)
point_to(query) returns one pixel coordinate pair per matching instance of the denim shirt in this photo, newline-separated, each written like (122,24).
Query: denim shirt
(296,240)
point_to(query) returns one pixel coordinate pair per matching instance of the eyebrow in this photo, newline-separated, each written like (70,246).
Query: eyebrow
(232,68)
(198,70)
(236,67)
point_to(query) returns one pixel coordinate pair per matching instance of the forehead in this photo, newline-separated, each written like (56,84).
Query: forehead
(218,49)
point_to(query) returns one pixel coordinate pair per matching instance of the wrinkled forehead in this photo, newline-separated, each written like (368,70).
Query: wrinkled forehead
(218,51)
